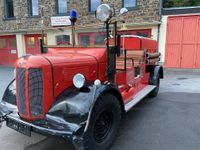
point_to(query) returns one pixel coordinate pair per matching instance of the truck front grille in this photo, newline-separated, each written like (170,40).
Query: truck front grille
(30,92)
(21,77)
(35,92)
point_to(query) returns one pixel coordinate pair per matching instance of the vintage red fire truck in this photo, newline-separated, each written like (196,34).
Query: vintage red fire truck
(80,93)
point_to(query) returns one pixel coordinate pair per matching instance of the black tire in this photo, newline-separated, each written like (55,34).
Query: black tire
(104,124)
(156,82)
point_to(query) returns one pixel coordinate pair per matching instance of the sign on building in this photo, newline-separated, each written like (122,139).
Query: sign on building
(60,21)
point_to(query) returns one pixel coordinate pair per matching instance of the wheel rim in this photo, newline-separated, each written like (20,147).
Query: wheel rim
(103,126)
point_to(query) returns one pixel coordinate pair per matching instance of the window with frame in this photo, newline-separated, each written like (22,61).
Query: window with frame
(85,40)
(93,4)
(63,40)
(9,9)
(31,42)
(3,43)
(61,6)
(129,3)
(33,8)
(99,39)
(12,43)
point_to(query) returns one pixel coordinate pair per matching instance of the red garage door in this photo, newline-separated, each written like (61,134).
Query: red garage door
(183,42)
(33,43)
(8,50)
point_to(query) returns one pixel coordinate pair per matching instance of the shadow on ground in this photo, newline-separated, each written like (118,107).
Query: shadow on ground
(169,121)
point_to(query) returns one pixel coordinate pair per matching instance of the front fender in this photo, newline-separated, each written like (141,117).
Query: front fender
(8,102)
(75,105)
(155,70)
(9,95)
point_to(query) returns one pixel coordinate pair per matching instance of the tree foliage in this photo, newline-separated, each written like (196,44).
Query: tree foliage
(180,3)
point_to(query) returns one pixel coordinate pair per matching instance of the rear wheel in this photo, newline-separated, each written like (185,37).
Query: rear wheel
(104,124)
(156,82)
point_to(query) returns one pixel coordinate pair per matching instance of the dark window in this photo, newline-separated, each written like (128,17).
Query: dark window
(143,34)
(85,40)
(129,3)
(2,43)
(33,7)
(9,9)
(93,4)
(99,39)
(31,42)
(61,6)
(63,39)
(12,42)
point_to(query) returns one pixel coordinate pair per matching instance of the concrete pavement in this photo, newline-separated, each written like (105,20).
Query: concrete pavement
(167,122)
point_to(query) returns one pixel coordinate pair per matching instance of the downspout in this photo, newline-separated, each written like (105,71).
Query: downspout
(160,20)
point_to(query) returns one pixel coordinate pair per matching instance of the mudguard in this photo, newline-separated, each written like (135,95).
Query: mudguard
(155,70)
(69,116)
(76,105)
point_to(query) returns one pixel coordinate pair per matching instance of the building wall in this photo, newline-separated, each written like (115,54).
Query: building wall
(162,38)
(23,22)
(144,16)
(146,11)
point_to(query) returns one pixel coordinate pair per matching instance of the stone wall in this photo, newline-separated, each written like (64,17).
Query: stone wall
(146,11)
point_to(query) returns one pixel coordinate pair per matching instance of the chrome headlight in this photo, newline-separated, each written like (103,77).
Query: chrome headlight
(79,80)
(104,12)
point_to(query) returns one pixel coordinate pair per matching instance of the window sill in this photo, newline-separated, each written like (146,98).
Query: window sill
(63,14)
(91,12)
(132,8)
(31,17)
(9,19)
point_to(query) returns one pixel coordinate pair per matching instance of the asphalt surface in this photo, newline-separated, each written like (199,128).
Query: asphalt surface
(168,122)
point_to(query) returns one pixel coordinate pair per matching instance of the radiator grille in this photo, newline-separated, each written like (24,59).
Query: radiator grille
(21,72)
(35,92)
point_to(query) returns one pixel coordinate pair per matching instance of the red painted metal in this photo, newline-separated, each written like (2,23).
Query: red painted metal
(7,58)
(182,42)
(137,43)
(91,62)
(38,62)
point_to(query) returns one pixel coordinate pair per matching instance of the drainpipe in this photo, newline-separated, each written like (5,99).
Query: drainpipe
(160,20)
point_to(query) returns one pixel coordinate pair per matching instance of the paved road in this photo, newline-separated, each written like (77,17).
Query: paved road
(169,122)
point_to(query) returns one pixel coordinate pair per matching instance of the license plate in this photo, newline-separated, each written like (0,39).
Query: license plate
(19,127)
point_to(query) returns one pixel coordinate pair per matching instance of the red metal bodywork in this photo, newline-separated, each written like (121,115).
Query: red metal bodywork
(59,66)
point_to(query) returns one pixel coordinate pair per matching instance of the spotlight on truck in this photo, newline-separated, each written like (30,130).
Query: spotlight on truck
(104,12)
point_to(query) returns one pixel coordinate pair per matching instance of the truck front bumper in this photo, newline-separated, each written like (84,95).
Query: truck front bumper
(49,126)
(44,127)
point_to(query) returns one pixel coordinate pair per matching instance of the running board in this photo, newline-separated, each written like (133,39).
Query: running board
(139,96)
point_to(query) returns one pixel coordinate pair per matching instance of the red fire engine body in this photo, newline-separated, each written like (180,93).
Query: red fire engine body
(71,93)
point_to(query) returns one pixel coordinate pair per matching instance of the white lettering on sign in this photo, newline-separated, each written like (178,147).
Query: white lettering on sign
(60,21)
(13,51)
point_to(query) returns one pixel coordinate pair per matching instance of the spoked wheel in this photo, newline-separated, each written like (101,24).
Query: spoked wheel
(104,124)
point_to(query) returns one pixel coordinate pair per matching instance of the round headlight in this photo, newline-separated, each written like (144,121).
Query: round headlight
(79,80)
(103,12)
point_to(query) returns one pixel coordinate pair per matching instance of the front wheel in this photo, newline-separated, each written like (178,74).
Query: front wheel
(104,124)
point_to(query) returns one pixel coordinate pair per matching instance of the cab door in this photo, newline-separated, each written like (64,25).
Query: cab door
(130,71)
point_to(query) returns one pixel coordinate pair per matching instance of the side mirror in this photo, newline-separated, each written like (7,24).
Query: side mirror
(123,11)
